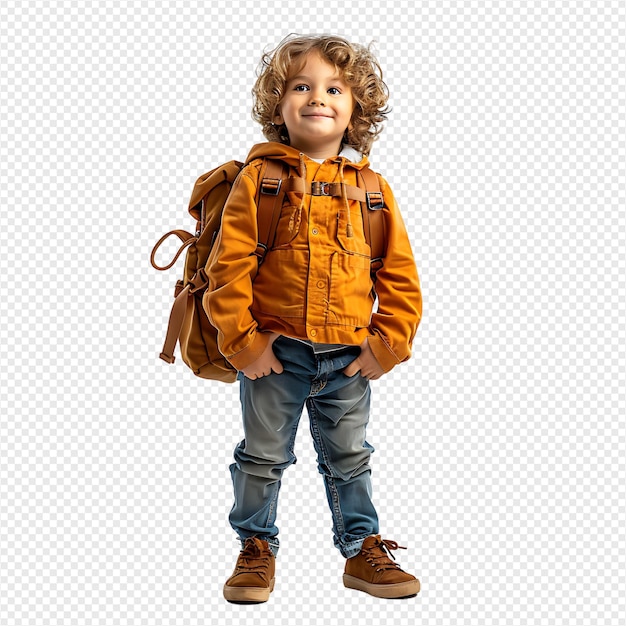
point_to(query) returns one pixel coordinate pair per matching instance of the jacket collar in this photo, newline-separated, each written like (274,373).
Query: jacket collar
(291,156)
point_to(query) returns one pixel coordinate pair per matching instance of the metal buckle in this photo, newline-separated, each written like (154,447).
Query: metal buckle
(375,200)
(271,186)
(319,188)
(376,264)
(260,252)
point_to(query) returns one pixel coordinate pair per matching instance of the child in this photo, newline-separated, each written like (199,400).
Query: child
(302,328)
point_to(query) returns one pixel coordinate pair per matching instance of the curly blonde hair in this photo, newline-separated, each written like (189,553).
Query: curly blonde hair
(358,67)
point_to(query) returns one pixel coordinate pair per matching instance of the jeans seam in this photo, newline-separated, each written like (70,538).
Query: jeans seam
(330,481)
(274,500)
(272,507)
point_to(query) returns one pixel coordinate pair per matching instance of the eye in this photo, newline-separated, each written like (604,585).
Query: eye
(334,91)
(301,88)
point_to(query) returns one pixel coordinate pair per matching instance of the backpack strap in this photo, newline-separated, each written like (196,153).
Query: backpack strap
(269,203)
(373,218)
(176,321)
(186,240)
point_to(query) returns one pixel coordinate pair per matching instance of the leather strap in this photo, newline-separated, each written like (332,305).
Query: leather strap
(183,235)
(271,185)
(373,217)
(270,196)
(182,302)
(175,324)
(294,183)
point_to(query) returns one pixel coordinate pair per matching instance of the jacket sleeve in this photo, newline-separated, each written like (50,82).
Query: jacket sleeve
(231,268)
(399,311)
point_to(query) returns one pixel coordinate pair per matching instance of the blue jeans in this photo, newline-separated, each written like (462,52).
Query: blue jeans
(338,409)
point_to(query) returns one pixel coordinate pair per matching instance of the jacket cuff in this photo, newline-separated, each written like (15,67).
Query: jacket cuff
(382,352)
(251,353)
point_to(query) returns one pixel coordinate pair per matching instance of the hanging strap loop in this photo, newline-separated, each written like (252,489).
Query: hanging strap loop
(184,236)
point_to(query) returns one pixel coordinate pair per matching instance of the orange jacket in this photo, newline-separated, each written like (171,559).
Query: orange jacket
(315,280)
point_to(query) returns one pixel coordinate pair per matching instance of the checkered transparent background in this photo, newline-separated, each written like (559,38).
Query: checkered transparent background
(500,445)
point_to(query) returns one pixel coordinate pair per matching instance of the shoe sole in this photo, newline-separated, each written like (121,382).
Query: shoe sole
(248,595)
(407,589)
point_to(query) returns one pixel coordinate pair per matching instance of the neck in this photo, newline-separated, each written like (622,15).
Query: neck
(319,151)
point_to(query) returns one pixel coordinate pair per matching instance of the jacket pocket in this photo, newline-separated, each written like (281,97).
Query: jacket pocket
(351,290)
(289,222)
(281,282)
(355,244)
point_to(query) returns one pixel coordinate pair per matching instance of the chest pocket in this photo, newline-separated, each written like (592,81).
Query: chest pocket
(351,295)
(290,222)
(356,243)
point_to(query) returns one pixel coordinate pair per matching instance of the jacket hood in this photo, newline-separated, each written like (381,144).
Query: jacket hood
(291,156)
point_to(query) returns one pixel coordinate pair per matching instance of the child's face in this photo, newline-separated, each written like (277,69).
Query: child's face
(316,108)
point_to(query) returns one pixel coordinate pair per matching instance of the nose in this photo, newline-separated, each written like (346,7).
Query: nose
(317,99)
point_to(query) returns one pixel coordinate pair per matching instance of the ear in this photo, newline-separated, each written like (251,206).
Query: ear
(278,118)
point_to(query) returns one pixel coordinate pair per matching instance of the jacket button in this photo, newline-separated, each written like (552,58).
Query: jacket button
(313,333)
(315,231)
(321,284)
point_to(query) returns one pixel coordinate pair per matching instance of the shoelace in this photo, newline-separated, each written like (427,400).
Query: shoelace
(378,555)
(252,559)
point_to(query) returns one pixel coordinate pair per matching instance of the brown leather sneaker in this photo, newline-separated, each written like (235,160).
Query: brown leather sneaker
(253,578)
(375,573)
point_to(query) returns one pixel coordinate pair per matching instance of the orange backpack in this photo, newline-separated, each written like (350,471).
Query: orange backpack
(188,321)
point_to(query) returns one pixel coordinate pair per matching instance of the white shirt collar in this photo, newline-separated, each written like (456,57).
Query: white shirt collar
(347,152)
